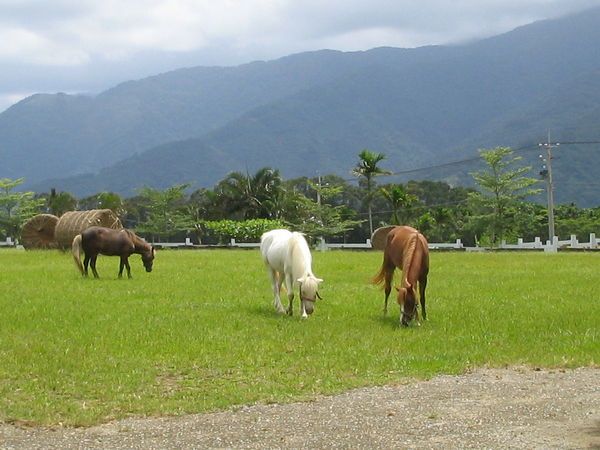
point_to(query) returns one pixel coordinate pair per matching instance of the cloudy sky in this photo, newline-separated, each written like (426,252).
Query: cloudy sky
(87,46)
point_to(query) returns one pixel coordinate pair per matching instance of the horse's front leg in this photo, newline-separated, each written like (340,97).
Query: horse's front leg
(417,321)
(303,312)
(422,286)
(128,267)
(389,275)
(124,263)
(289,287)
(93,265)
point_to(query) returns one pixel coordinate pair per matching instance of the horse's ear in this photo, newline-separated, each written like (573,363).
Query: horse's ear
(318,280)
(301,280)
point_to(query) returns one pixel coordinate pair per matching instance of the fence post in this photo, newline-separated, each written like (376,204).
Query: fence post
(552,246)
(593,243)
(574,243)
(322,246)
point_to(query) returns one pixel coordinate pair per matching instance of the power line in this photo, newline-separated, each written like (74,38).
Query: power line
(472,159)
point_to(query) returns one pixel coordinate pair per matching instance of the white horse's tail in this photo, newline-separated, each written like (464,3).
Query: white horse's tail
(76,249)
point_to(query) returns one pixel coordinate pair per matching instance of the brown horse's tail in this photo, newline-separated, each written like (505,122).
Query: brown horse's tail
(380,277)
(76,250)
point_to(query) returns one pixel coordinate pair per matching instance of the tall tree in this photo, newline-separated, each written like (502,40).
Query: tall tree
(16,207)
(368,169)
(60,203)
(501,188)
(320,218)
(112,201)
(399,200)
(167,212)
(104,200)
(252,196)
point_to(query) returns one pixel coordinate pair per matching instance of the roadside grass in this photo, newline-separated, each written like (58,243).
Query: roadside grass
(200,332)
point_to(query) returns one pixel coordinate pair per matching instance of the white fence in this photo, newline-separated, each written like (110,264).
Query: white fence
(554,245)
(9,243)
(323,246)
(537,244)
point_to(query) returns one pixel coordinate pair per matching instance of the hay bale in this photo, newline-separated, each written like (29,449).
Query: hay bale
(38,232)
(72,223)
(379,237)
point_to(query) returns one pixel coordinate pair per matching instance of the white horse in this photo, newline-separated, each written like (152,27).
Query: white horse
(286,255)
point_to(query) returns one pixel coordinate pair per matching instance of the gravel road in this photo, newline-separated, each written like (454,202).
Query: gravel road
(518,408)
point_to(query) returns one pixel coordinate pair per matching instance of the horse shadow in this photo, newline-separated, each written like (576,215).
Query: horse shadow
(393,321)
(264,311)
(388,320)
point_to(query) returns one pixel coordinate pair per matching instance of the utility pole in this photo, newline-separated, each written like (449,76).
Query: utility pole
(547,174)
(319,189)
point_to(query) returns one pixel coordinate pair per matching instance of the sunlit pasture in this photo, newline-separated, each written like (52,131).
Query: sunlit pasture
(200,332)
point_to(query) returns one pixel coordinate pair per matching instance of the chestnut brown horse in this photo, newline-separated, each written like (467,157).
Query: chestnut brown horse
(406,249)
(107,241)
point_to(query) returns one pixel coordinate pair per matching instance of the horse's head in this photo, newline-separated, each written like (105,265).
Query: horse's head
(309,292)
(408,303)
(148,258)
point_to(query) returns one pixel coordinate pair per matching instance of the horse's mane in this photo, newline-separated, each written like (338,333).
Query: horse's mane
(410,259)
(137,241)
(134,237)
(300,254)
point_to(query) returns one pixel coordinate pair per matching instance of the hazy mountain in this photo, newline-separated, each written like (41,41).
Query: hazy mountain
(61,134)
(315,111)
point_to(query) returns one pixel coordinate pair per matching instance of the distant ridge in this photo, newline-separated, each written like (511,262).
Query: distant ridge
(314,112)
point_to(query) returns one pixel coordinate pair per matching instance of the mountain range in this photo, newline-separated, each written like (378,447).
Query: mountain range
(311,113)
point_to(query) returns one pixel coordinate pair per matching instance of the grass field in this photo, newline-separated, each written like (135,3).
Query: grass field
(200,333)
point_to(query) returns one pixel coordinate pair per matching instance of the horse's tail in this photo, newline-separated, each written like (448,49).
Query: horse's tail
(76,250)
(380,277)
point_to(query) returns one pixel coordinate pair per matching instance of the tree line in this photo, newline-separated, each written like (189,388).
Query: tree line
(244,205)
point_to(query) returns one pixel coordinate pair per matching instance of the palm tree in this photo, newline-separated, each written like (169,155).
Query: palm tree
(61,203)
(251,197)
(398,199)
(368,169)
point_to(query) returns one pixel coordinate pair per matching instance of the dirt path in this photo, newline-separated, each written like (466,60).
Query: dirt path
(489,408)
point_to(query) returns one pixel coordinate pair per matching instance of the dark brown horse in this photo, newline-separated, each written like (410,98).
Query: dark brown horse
(406,249)
(107,241)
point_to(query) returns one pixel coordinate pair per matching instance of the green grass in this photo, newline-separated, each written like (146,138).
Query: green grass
(200,333)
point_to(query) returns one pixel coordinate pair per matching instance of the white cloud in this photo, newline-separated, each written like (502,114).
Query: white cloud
(26,45)
(67,32)
(100,43)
